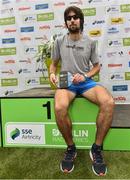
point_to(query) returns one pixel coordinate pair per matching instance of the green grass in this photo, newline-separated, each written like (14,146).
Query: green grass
(40,163)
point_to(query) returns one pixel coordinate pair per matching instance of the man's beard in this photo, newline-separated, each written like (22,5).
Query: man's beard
(74,29)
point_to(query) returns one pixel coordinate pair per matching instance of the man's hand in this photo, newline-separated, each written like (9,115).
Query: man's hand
(77,78)
(53,79)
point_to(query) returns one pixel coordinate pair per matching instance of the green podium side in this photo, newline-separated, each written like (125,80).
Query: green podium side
(28,120)
(31,122)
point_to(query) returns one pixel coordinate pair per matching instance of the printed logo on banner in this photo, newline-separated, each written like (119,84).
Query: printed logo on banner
(120,99)
(83,134)
(9,82)
(117,76)
(96,22)
(30,50)
(24,8)
(27,29)
(115,53)
(113,9)
(44,80)
(9,61)
(15,133)
(95,33)
(8,11)
(8,92)
(78,2)
(89,11)
(44,27)
(27,61)
(126,41)
(11,30)
(59,4)
(8,40)
(24,71)
(114,65)
(6,1)
(41,39)
(41,70)
(94,1)
(127,75)
(113,30)
(45,16)
(7,72)
(29,18)
(59,26)
(25,38)
(7,21)
(114,43)
(117,20)
(41,6)
(120,88)
(32,81)
(24,133)
(125,8)
(7,51)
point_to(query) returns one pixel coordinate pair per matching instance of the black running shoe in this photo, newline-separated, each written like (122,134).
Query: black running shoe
(99,167)
(67,164)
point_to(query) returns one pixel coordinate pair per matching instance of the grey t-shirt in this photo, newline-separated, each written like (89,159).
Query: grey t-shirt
(75,56)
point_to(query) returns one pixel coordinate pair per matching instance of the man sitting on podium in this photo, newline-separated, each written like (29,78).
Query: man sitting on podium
(76,51)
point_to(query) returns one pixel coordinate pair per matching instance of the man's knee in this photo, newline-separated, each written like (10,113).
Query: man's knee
(108,102)
(60,110)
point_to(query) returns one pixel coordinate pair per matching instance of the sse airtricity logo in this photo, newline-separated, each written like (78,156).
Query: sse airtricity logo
(15,133)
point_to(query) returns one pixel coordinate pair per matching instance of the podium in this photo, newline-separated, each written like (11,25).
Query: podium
(28,120)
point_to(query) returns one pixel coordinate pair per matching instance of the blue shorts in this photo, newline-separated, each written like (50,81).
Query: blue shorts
(81,87)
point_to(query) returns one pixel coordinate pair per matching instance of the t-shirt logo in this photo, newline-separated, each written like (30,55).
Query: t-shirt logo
(78,48)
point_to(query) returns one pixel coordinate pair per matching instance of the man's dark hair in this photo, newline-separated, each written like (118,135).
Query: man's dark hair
(78,12)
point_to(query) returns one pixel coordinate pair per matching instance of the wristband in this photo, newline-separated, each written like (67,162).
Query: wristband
(85,76)
(52,73)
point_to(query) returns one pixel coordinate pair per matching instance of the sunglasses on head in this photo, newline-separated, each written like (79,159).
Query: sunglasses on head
(75,17)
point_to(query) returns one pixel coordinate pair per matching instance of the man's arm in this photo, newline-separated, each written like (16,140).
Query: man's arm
(95,69)
(52,72)
(82,77)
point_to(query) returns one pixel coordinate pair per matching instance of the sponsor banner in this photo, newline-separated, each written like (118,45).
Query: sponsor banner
(7,21)
(45,16)
(8,40)
(120,99)
(118,20)
(126,41)
(95,33)
(24,133)
(114,43)
(125,8)
(83,134)
(127,75)
(117,76)
(9,82)
(7,51)
(26,27)
(41,6)
(120,88)
(32,81)
(89,11)
(113,9)
(44,80)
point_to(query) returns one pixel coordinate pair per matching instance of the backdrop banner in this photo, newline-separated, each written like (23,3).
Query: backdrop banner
(26,25)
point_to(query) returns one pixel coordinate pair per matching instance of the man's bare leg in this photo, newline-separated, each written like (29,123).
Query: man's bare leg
(63,98)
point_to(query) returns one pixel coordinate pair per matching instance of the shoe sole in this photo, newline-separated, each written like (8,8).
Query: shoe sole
(65,170)
(101,174)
